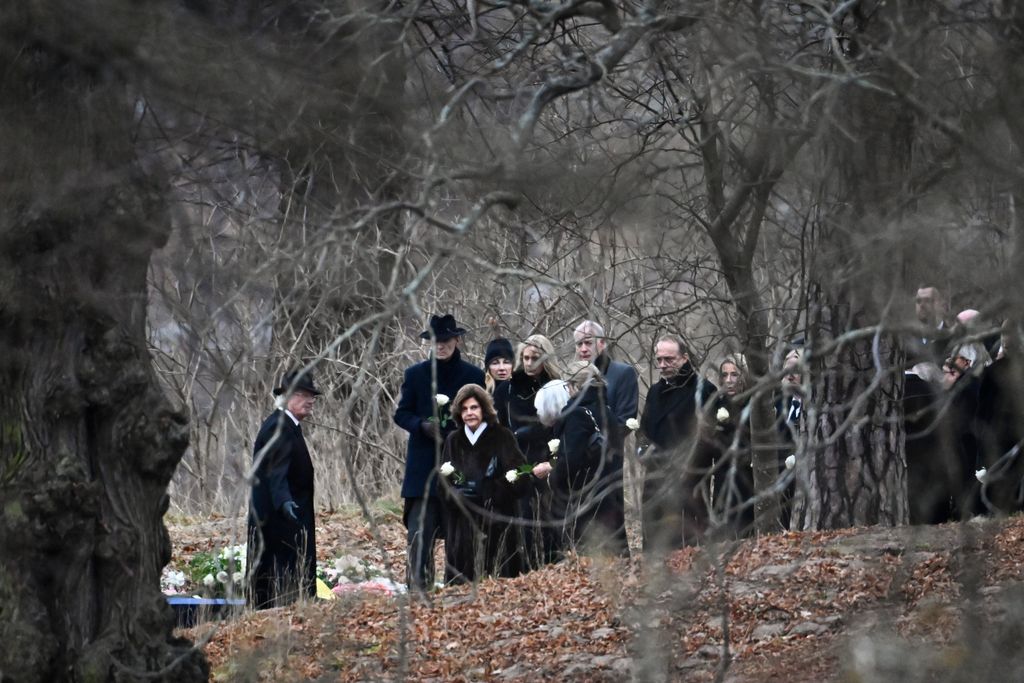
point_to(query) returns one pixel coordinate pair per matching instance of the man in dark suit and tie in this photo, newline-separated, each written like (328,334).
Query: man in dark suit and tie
(282,545)
(675,459)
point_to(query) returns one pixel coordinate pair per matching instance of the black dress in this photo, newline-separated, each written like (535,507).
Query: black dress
(514,402)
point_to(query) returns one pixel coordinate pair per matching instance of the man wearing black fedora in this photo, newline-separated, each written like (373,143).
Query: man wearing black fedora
(282,545)
(427,390)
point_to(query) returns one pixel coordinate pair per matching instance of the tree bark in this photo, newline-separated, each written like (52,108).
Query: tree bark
(87,442)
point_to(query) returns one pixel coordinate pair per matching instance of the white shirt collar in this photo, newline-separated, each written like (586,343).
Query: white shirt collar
(473,436)
(289,414)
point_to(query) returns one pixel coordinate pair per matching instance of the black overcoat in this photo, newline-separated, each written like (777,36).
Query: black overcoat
(513,401)
(480,538)
(416,405)
(587,488)
(674,510)
(282,554)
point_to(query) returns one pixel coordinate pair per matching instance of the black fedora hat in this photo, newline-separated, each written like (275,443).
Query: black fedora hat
(293,381)
(443,327)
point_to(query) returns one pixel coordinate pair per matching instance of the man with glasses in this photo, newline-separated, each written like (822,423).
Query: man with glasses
(281,528)
(675,459)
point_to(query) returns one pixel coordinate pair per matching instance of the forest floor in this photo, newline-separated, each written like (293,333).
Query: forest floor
(867,604)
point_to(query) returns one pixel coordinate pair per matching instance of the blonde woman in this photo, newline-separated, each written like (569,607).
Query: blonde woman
(515,404)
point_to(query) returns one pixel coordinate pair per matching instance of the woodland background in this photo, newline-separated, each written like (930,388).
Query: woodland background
(197,196)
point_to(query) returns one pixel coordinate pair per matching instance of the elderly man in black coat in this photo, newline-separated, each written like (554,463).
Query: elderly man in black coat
(282,544)
(427,389)
(675,458)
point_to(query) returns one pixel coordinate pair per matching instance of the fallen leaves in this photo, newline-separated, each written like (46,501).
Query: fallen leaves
(786,603)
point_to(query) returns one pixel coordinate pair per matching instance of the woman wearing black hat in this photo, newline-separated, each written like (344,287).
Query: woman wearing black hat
(497,363)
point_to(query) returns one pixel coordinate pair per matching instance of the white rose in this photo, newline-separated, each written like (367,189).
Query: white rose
(447,469)
(511,476)
(209,580)
(553,445)
(981,474)
(790,462)
(722,415)
(633,423)
(237,578)
(441,400)
(222,577)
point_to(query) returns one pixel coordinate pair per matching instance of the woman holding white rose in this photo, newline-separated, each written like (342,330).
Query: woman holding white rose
(514,402)
(482,476)
(733,472)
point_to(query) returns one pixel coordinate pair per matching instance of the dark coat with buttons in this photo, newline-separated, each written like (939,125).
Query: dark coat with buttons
(282,553)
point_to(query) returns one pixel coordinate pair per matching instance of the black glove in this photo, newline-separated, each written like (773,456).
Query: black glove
(430,430)
(291,511)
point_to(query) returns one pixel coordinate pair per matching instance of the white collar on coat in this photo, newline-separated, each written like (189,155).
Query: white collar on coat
(473,436)
(289,414)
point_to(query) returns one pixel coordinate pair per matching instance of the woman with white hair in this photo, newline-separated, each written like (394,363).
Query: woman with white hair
(583,480)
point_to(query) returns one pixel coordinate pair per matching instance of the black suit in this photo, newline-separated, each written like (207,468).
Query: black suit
(282,553)
(673,510)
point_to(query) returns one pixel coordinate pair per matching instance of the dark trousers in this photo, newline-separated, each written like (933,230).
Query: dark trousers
(424,524)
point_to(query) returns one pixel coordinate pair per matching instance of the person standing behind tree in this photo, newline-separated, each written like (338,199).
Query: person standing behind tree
(427,388)
(675,459)
(734,475)
(622,392)
(281,525)
(497,363)
(514,402)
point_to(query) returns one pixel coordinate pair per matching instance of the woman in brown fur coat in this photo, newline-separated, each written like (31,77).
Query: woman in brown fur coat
(481,481)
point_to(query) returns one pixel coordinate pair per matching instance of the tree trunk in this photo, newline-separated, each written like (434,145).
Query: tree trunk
(87,442)
(855,471)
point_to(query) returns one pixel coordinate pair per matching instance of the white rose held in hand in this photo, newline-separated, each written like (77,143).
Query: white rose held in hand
(553,445)
(511,476)
(442,400)
(447,469)
(633,423)
(790,462)
(722,415)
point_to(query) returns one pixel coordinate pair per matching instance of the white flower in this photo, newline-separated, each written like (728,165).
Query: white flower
(511,476)
(346,563)
(447,469)
(237,578)
(790,462)
(981,474)
(174,578)
(553,445)
(633,423)
(442,400)
(209,580)
(222,577)
(722,415)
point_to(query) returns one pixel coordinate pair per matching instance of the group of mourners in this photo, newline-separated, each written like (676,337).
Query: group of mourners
(520,461)
(516,463)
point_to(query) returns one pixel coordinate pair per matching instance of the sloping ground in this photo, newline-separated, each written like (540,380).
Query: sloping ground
(935,603)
